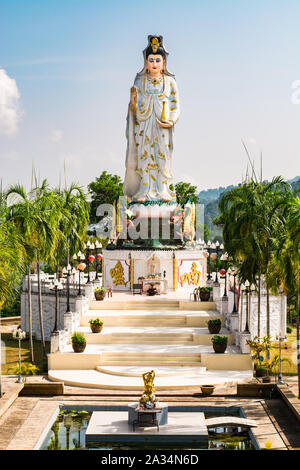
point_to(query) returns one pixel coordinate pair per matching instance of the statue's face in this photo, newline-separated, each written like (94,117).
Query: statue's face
(155,64)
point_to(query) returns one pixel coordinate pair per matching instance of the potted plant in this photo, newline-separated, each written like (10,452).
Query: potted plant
(219,343)
(257,347)
(207,389)
(214,326)
(261,371)
(205,293)
(99,293)
(96,325)
(78,342)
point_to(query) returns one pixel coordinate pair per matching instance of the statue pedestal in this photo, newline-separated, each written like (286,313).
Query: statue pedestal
(182,269)
(162,418)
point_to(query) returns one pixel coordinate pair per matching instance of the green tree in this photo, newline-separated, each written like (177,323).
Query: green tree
(104,190)
(286,262)
(185,192)
(72,225)
(37,215)
(252,217)
(21,215)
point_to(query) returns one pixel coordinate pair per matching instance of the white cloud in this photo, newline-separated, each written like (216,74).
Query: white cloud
(56,135)
(10,155)
(9,104)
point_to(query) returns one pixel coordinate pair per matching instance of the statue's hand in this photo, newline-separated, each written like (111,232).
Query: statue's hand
(133,98)
(165,124)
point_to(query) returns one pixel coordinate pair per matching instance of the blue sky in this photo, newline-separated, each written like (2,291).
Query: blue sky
(74,61)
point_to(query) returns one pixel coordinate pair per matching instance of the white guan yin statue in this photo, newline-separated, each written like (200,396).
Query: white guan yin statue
(152,113)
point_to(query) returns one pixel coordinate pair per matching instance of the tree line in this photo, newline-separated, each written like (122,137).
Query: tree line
(43,225)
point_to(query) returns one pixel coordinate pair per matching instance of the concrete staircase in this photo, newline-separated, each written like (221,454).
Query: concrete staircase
(168,336)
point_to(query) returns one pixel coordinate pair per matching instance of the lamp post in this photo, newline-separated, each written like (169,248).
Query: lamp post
(98,247)
(56,286)
(19,335)
(224,258)
(74,257)
(80,267)
(233,271)
(248,291)
(209,250)
(217,247)
(88,247)
(280,339)
(68,272)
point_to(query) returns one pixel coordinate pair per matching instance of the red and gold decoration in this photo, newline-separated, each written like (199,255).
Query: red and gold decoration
(117,274)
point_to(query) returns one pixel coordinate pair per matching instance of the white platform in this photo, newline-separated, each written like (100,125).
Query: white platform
(193,379)
(112,426)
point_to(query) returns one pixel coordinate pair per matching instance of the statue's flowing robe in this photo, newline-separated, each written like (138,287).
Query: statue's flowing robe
(149,146)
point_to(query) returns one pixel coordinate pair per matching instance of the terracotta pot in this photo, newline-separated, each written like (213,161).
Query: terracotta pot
(219,348)
(207,389)
(214,329)
(260,372)
(99,296)
(266,379)
(96,328)
(204,296)
(78,347)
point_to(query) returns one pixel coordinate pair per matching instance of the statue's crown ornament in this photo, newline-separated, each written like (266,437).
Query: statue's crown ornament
(155,44)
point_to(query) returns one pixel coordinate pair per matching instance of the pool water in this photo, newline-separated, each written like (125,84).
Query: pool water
(68,433)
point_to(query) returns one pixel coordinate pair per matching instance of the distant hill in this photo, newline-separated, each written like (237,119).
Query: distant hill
(210,198)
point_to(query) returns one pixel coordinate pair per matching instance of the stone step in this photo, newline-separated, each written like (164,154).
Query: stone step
(161,318)
(152,335)
(150,355)
(149,304)
(150,363)
(162,371)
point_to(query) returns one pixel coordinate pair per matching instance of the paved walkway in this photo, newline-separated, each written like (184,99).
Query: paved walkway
(23,423)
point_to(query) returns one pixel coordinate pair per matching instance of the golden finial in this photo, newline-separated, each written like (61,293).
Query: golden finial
(155,45)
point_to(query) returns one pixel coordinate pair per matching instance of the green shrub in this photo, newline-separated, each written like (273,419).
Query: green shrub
(214,322)
(100,290)
(219,339)
(289,329)
(96,321)
(26,369)
(205,289)
(78,337)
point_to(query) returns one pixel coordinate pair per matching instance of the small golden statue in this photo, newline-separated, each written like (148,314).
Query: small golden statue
(148,399)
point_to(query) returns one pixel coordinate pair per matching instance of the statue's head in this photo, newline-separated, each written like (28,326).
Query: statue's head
(155,56)
(155,64)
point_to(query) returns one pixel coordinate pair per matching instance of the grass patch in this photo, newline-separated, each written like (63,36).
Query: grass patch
(287,369)
(12,353)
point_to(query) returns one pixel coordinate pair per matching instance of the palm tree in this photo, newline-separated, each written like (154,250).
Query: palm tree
(48,215)
(252,217)
(36,215)
(286,262)
(73,222)
(22,214)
